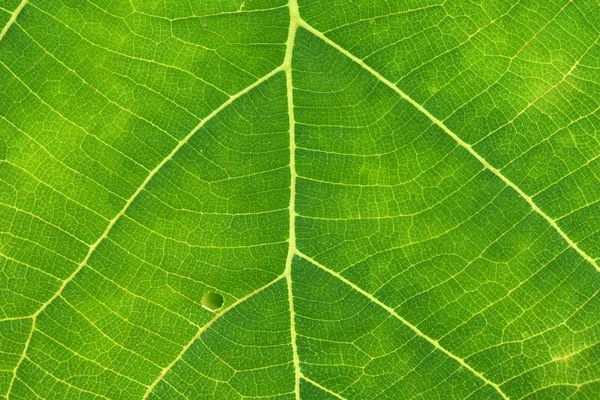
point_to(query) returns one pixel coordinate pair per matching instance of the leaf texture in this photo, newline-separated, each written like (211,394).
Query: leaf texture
(395,199)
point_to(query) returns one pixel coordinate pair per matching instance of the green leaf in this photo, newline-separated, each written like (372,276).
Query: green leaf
(318,199)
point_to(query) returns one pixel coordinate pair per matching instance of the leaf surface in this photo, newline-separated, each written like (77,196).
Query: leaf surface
(390,199)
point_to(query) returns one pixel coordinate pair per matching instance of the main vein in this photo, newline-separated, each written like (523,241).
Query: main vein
(454,136)
(113,221)
(287,67)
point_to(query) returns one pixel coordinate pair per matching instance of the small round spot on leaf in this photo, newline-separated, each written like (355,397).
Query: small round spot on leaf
(212,301)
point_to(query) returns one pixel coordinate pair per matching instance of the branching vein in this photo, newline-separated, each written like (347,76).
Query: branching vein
(393,312)
(454,136)
(13,18)
(116,218)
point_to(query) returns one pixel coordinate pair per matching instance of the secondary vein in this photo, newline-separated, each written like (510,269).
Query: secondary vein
(393,312)
(454,136)
(13,18)
(201,331)
(128,204)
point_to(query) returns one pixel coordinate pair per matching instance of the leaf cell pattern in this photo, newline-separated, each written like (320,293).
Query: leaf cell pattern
(396,199)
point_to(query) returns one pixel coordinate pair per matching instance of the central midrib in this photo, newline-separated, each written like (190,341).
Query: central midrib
(287,67)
